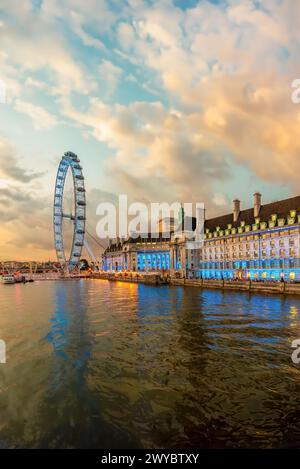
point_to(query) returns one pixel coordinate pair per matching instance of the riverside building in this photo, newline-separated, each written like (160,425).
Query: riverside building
(145,253)
(260,243)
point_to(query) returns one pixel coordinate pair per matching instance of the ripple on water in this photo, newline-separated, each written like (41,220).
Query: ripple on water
(100,364)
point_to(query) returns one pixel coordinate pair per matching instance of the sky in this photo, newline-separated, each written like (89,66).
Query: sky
(164,101)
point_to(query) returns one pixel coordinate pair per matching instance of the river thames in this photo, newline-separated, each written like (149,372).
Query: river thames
(98,364)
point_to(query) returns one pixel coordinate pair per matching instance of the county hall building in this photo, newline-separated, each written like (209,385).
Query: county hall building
(259,243)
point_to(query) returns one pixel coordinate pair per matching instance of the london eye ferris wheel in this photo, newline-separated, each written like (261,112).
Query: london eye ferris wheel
(69,163)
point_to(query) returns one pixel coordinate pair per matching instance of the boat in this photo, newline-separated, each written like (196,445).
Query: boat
(8,279)
(19,278)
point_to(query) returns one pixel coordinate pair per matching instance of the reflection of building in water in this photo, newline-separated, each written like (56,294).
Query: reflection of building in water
(260,243)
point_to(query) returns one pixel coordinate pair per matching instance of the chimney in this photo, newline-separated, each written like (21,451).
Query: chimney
(109,243)
(257,204)
(236,209)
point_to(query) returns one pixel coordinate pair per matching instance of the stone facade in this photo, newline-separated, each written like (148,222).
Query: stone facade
(145,253)
(260,243)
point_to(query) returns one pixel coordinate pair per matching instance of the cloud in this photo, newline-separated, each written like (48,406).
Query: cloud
(9,167)
(126,35)
(26,201)
(231,93)
(220,200)
(88,40)
(212,99)
(41,118)
(157,150)
(228,69)
(109,75)
(25,222)
(33,42)
(41,85)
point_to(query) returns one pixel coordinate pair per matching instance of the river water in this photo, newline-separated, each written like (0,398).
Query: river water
(98,364)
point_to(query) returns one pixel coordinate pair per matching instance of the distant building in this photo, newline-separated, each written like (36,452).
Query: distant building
(146,252)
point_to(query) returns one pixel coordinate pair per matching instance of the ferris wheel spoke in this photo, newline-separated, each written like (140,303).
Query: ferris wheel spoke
(68,215)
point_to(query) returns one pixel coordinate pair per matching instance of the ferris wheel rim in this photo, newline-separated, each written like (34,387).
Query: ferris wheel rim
(69,161)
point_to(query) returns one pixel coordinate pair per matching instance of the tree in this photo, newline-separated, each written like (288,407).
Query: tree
(84,265)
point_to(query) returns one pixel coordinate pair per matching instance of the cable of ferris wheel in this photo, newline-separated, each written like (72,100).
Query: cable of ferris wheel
(95,239)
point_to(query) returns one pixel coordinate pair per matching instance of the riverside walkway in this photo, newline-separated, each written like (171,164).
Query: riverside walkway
(283,288)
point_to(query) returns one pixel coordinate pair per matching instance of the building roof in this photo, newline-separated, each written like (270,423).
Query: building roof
(149,237)
(143,238)
(281,208)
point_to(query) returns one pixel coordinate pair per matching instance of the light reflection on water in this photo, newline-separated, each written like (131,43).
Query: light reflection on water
(114,365)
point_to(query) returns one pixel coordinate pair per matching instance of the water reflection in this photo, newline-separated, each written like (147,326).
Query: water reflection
(76,413)
(100,364)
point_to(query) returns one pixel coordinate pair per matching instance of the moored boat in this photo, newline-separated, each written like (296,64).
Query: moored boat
(8,279)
